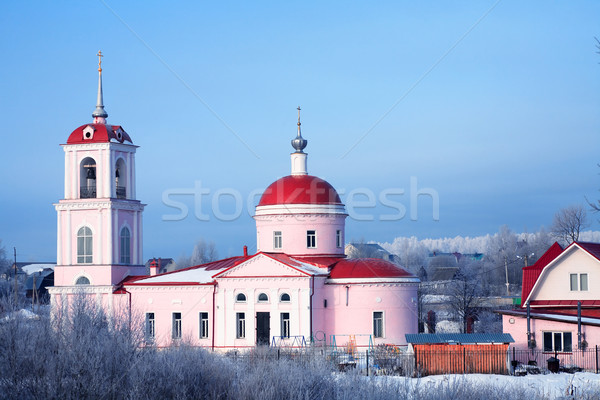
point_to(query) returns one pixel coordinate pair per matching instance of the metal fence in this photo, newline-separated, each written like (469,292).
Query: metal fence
(577,360)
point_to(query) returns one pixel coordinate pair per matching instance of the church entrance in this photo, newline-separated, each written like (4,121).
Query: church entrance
(263,330)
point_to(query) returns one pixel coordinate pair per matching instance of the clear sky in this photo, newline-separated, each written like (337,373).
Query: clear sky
(493,106)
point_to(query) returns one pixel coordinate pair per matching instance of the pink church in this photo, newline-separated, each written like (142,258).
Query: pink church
(299,288)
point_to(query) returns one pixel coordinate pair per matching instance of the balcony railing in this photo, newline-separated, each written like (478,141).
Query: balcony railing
(121,192)
(87,192)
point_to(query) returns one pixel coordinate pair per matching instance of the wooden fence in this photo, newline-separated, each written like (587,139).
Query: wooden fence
(435,359)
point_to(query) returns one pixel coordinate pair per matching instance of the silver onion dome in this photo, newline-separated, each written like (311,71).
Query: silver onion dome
(299,143)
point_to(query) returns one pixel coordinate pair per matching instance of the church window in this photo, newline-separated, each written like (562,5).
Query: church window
(150,326)
(240,325)
(378,324)
(311,239)
(84,245)
(338,238)
(125,246)
(176,325)
(285,325)
(277,240)
(263,298)
(285,298)
(240,298)
(120,179)
(82,280)
(203,325)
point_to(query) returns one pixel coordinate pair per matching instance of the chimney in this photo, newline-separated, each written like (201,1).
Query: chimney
(245,251)
(154,266)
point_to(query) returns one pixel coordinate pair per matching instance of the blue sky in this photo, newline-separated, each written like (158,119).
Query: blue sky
(493,105)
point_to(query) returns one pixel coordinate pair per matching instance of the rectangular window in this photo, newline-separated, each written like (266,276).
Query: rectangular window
(203,325)
(176,325)
(311,239)
(277,240)
(573,281)
(579,282)
(378,324)
(557,341)
(285,324)
(583,282)
(338,238)
(150,327)
(240,325)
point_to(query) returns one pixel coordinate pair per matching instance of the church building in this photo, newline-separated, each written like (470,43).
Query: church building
(298,288)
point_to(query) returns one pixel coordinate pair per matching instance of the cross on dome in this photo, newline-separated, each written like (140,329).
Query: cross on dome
(99,113)
(299,143)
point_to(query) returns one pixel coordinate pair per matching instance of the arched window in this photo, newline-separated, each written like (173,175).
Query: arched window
(125,246)
(284,298)
(240,298)
(120,179)
(82,280)
(84,245)
(87,178)
(263,297)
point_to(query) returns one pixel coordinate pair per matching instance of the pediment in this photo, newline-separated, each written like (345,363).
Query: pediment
(262,265)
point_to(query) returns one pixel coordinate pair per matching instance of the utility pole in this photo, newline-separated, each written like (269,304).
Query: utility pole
(16,284)
(506,271)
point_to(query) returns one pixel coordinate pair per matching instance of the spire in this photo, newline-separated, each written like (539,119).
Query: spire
(299,157)
(299,143)
(99,113)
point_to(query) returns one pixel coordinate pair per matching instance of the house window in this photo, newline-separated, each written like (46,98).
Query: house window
(203,325)
(277,240)
(240,325)
(285,324)
(240,298)
(285,298)
(176,325)
(84,245)
(378,324)
(579,282)
(338,238)
(150,326)
(311,239)
(263,298)
(125,246)
(558,341)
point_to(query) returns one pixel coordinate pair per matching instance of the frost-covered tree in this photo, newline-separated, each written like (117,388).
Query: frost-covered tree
(202,253)
(568,223)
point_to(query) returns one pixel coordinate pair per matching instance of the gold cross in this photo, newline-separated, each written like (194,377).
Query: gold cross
(99,60)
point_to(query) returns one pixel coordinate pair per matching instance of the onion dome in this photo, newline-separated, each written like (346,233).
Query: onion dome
(299,143)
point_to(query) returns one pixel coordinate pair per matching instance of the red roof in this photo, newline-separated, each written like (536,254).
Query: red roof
(532,273)
(367,268)
(299,189)
(103,133)
(592,248)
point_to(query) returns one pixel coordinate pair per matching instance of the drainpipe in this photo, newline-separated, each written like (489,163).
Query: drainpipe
(213,316)
(347,294)
(579,325)
(312,292)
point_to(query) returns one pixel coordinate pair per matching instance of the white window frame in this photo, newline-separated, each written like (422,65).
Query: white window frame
(240,325)
(285,325)
(311,239)
(277,240)
(177,325)
(150,330)
(204,332)
(378,324)
(85,245)
(554,335)
(577,280)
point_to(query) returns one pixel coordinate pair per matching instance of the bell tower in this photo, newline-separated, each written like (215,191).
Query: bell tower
(99,220)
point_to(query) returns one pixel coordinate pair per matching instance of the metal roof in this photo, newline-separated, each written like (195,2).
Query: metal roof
(455,338)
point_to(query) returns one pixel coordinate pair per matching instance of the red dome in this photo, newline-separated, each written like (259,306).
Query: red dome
(367,268)
(98,133)
(299,189)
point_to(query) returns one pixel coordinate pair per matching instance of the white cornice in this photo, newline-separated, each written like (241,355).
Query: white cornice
(309,209)
(370,281)
(80,289)
(100,146)
(94,204)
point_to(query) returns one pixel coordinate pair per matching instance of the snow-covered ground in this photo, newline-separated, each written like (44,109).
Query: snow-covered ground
(549,386)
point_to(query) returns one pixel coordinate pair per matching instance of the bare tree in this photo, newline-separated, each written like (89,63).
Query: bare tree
(568,223)
(464,296)
(202,253)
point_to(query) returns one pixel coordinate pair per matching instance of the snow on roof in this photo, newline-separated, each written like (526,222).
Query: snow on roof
(307,268)
(31,268)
